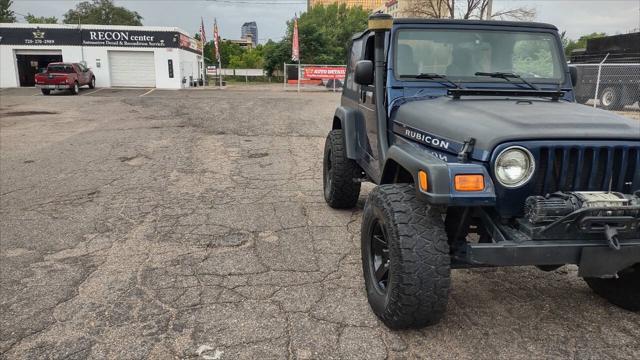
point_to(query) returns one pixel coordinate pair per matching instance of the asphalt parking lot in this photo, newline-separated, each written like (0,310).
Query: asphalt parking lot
(191,224)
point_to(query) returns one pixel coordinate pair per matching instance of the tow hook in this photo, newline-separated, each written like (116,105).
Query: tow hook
(612,237)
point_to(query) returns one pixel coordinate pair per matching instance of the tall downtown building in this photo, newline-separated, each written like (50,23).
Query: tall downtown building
(250,30)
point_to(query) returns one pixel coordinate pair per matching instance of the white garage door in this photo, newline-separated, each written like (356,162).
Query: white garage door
(132,68)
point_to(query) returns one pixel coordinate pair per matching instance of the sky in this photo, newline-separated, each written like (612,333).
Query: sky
(577,17)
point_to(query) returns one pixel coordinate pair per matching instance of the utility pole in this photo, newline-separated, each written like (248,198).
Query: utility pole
(489,11)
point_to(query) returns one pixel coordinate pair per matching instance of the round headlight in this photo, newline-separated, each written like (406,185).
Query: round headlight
(514,166)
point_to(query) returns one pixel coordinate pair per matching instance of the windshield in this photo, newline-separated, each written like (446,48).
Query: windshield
(460,54)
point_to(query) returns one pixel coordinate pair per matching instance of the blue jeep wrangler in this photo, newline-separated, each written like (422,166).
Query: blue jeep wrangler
(482,158)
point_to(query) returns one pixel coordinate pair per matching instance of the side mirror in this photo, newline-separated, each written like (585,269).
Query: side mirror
(364,72)
(573,72)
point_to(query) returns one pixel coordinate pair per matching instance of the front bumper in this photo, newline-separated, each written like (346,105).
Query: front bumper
(579,238)
(595,258)
(54,87)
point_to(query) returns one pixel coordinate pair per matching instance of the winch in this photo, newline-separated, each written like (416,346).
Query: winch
(544,209)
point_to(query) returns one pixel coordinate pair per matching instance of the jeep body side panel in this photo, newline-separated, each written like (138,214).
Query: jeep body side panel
(413,158)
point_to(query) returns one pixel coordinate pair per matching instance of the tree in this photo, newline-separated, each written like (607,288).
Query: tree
(32,19)
(275,54)
(102,12)
(248,59)
(6,14)
(465,9)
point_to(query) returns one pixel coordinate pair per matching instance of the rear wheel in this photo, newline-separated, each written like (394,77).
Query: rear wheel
(45,91)
(611,98)
(75,89)
(405,258)
(623,291)
(92,83)
(340,174)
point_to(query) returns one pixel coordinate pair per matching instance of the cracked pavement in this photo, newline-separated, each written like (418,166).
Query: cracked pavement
(191,224)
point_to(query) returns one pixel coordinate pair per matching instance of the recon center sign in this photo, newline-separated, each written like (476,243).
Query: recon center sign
(89,37)
(121,38)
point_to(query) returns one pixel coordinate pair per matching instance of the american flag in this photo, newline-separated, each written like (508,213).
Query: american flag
(203,37)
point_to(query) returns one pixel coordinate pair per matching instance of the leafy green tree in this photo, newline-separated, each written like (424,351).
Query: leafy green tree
(248,59)
(228,50)
(6,14)
(32,19)
(275,54)
(102,12)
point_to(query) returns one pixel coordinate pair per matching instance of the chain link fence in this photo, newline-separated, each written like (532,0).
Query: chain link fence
(314,77)
(608,86)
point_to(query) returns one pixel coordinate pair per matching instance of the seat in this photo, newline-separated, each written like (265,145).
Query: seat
(406,62)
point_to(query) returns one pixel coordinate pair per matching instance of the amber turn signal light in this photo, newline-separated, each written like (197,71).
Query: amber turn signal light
(469,182)
(422,180)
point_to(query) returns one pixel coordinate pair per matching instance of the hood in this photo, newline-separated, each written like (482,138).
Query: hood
(492,121)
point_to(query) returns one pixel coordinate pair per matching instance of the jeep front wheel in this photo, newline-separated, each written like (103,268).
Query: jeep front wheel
(340,174)
(623,291)
(405,258)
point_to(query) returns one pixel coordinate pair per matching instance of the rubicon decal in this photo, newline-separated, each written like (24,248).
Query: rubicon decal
(428,139)
(431,140)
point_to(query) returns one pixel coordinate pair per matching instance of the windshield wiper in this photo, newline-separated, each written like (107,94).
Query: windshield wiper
(437,77)
(507,76)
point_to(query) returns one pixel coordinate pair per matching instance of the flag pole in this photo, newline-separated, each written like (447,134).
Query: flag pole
(298,74)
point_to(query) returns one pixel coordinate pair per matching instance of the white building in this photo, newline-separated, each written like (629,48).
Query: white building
(129,56)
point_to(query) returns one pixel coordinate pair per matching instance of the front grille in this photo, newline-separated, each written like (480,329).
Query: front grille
(572,166)
(587,168)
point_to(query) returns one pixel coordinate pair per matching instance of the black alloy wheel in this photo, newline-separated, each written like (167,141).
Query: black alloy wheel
(380,261)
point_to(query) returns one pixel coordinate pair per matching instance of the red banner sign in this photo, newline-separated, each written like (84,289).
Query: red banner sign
(325,72)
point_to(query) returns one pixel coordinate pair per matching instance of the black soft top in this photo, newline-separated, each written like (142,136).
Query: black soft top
(422,21)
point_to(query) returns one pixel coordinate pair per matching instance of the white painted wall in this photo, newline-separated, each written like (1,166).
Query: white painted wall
(9,68)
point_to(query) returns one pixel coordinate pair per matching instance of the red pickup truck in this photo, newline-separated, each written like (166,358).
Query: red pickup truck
(65,76)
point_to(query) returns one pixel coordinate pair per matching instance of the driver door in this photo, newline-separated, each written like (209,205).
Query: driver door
(367,106)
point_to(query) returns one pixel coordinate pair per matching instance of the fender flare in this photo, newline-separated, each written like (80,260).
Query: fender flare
(413,157)
(351,121)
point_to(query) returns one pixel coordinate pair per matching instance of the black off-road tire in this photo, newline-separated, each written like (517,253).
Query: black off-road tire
(45,91)
(611,98)
(623,291)
(419,265)
(339,173)
(92,83)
